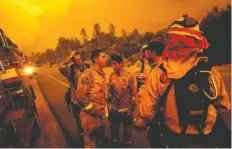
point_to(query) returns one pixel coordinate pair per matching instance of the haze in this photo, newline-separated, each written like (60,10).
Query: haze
(37,24)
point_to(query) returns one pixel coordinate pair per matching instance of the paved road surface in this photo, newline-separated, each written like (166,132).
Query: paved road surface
(54,86)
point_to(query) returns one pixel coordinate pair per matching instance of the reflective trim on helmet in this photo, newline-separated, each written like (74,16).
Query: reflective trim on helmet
(186,32)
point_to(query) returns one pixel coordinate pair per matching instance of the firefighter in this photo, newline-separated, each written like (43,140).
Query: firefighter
(141,68)
(154,53)
(182,101)
(71,68)
(122,98)
(92,94)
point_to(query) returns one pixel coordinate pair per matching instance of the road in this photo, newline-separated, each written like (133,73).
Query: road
(54,86)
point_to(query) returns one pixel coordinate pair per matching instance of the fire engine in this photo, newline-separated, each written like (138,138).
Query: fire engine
(19,122)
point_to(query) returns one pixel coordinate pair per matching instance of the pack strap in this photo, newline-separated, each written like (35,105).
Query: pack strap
(162,103)
(163,98)
(72,75)
(142,67)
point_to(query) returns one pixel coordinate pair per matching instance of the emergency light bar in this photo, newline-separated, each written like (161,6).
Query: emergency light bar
(3,38)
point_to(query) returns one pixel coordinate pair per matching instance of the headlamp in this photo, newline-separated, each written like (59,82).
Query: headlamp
(29,70)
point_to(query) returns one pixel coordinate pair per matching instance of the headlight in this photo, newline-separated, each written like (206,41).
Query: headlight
(17,91)
(29,70)
(20,90)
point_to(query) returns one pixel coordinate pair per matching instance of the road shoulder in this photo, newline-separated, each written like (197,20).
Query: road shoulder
(51,133)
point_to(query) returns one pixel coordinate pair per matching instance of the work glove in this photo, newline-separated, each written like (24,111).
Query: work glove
(139,123)
(112,108)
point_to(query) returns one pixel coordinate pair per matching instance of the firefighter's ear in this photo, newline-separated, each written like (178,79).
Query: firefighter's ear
(95,59)
(146,53)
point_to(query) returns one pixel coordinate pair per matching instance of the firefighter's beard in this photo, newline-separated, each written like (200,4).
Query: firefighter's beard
(178,67)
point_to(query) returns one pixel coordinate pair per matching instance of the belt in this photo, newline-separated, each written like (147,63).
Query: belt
(123,110)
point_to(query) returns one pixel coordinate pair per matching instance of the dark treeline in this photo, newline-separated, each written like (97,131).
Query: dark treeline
(216,26)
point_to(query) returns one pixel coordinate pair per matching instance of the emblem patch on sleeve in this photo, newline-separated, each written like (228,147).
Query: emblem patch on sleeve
(85,81)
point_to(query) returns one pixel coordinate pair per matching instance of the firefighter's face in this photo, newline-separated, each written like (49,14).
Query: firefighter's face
(77,59)
(102,59)
(116,66)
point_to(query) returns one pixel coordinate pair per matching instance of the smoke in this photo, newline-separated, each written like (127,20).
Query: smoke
(37,24)
(28,22)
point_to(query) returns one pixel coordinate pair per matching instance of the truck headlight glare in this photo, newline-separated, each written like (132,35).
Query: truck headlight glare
(29,70)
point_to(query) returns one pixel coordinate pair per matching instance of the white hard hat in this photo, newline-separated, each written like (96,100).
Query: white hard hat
(144,47)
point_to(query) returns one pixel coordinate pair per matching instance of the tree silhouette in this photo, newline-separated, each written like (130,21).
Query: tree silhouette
(112,30)
(147,38)
(217,28)
(84,36)
(162,35)
(74,43)
(123,33)
(135,32)
(63,47)
(96,30)
(50,55)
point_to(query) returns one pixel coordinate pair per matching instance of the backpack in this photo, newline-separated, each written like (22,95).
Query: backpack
(72,80)
(73,73)
(189,87)
(197,102)
(192,103)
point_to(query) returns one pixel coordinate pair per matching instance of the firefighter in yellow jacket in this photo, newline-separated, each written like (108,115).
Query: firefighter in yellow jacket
(92,94)
(142,67)
(181,101)
(122,97)
(71,68)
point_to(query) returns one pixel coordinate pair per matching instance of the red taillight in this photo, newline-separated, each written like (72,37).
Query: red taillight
(12,80)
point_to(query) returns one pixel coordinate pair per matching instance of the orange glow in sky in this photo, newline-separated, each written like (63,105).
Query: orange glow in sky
(37,24)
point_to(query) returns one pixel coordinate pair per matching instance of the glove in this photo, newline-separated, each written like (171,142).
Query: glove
(140,124)
(112,108)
